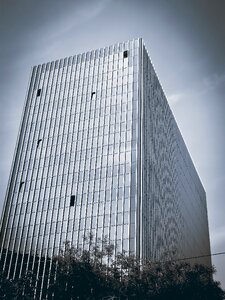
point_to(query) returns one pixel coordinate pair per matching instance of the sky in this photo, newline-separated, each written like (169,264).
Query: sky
(186,43)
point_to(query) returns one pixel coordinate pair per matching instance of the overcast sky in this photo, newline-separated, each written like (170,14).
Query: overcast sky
(186,42)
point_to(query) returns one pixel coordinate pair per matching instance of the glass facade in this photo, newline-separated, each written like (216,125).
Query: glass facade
(99,151)
(174,220)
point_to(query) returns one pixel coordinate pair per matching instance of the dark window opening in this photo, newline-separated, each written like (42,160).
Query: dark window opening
(125,54)
(72,200)
(92,94)
(38,92)
(21,184)
(38,142)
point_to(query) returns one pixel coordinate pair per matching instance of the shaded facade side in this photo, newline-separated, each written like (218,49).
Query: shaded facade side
(174,212)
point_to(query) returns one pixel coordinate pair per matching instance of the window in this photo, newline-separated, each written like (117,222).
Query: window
(92,95)
(125,54)
(38,92)
(21,184)
(72,200)
(38,142)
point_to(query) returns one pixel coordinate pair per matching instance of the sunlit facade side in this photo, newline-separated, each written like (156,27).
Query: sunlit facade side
(99,151)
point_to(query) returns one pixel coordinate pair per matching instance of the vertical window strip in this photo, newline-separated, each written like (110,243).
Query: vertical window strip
(33,150)
(84,147)
(63,70)
(39,153)
(20,200)
(112,238)
(77,112)
(12,184)
(36,246)
(68,74)
(83,203)
(40,114)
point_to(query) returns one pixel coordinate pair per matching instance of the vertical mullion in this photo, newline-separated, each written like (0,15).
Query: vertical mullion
(73,141)
(105,59)
(88,96)
(81,183)
(84,98)
(79,150)
(92,133)
(74,186)
(78,67)
(115,61)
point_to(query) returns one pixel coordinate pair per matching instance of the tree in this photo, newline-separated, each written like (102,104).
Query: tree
(17,289)
(93,274)
(83,274)
(7,290)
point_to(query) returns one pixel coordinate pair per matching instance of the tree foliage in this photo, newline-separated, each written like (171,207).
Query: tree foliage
(17,289)
(93,274)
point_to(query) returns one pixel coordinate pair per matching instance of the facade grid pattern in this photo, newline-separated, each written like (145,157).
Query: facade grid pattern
(174,213)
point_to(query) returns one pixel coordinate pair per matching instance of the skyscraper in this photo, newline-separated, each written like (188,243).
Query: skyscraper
(99,151)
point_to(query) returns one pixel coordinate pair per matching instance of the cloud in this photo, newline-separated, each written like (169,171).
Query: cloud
(218,238)
(175,98)
(91,9)
(209,83)
(213,81)
(78,15)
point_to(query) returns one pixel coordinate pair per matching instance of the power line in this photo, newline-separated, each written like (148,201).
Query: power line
(200,256)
